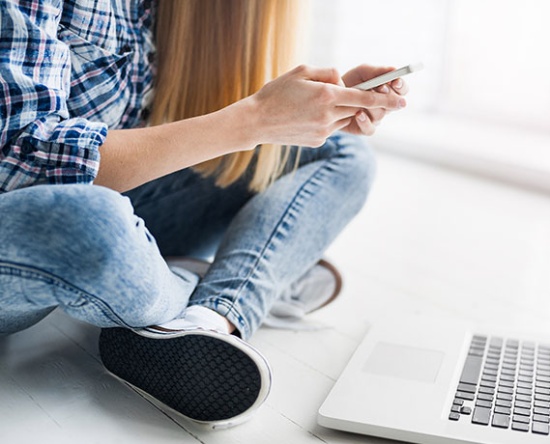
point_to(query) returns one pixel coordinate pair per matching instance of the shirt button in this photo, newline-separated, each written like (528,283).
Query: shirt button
(27,148)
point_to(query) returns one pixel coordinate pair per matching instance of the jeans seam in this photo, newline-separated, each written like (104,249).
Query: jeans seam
(231,307)
(15,269)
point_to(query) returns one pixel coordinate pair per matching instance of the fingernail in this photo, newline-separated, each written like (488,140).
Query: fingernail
(384,89)
(362,117)
(398,84)
(402,103)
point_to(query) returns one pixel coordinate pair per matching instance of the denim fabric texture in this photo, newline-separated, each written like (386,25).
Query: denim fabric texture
(103,262)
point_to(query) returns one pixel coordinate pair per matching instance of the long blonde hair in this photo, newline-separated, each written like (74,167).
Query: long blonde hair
(212,53)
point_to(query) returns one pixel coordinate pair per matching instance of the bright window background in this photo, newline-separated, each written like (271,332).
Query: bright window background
(483,100)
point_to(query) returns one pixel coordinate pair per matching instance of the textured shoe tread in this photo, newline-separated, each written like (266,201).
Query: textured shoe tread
(200,376)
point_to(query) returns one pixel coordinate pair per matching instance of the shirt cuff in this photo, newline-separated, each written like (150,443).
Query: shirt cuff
(67,151)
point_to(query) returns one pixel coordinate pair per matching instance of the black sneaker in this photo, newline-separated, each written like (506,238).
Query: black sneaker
(209,377)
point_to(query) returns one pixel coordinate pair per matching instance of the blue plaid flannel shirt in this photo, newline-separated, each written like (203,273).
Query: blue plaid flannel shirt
(69,71)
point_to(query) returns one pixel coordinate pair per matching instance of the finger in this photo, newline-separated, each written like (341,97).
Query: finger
(336,126)
(400,86)
(365,123)
(383,89)
(343,123)
(376,115)
(367,99)
(344,112)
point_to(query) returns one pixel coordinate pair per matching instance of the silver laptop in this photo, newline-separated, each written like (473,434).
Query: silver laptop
(442,382)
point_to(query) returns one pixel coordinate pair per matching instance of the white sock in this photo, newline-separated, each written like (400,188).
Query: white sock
(197,316)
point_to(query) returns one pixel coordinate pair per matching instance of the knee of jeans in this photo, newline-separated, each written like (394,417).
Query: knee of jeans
(105,228)
(61,229)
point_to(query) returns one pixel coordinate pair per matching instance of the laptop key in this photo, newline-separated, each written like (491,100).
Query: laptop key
(504,396)
(484,404)
(522,412)
(454,416)
(467,388)
(466,396)
(542,411)
(540,428)
(501,421)
(471,370)
(524,419)
(508,377)
(489,384)
(542,404)
(541,418)
(481,415)
(522,427)
(525,379)
(485,396)
(503,403)
(487,390)
(489,378)
(523,391)
(524,398)
(507,390)
(503,410)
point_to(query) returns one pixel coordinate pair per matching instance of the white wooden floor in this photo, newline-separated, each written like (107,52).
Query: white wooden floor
(430,241)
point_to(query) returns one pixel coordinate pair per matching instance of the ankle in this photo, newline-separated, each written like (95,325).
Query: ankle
(230,326)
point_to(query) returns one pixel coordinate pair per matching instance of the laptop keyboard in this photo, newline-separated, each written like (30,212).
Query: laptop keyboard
(505,383)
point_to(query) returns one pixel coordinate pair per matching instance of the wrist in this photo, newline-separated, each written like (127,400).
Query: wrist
(245,123)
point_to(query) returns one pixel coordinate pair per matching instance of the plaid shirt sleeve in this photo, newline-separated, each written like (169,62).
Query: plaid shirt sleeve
(39,141)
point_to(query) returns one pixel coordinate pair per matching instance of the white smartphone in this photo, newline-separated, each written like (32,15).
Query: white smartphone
(389,76)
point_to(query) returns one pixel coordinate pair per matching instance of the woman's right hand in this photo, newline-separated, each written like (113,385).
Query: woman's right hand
(306,105)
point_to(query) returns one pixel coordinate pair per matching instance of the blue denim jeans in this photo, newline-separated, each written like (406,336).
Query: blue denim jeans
(99,255)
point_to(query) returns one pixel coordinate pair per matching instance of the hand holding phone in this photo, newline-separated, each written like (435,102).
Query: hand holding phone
(389,76)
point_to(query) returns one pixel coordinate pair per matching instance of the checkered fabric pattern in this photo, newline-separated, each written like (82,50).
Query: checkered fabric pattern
(69,71)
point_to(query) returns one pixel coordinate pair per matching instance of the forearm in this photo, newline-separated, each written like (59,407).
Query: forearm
(301,107)
(132,157)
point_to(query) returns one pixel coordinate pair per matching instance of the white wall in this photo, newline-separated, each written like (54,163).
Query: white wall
(483,99)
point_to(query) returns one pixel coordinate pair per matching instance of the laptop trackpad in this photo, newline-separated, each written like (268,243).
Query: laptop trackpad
(401,361)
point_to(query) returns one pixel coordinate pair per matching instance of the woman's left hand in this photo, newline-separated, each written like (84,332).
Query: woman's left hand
(366,120)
